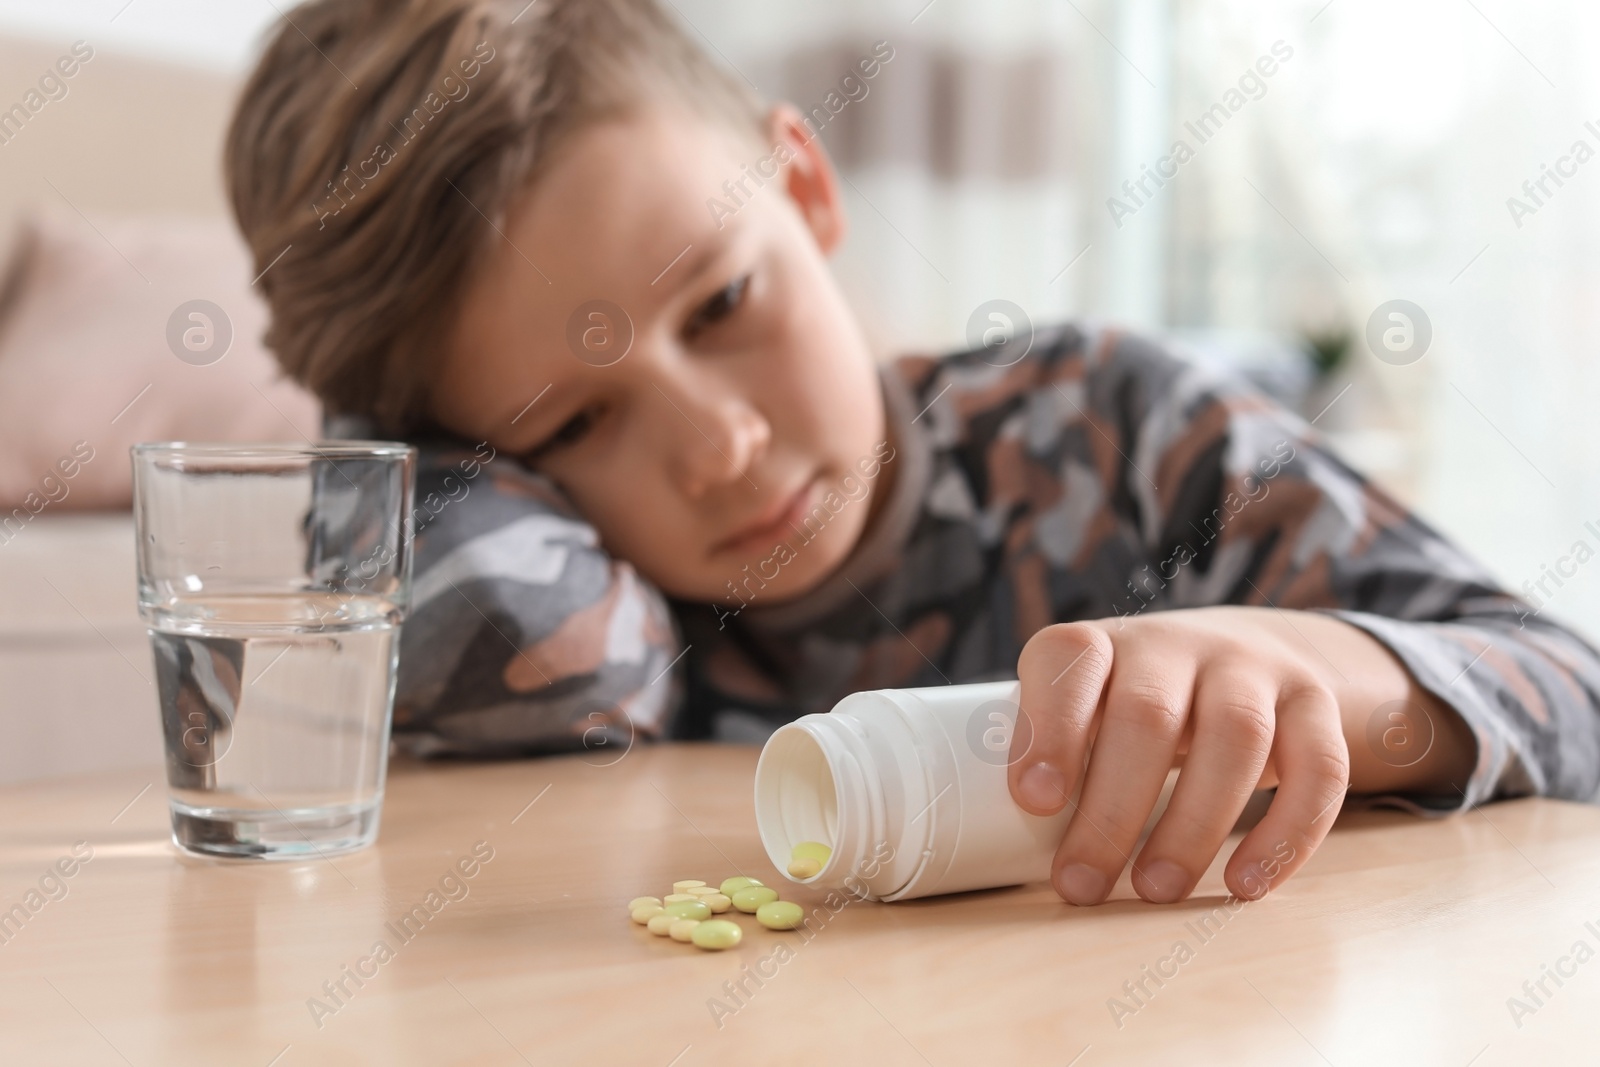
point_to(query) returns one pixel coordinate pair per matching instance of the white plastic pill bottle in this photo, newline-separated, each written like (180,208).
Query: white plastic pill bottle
(908,787)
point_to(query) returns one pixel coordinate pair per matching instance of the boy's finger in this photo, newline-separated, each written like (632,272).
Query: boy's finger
(1062,670)
(1233,722)
(1314,770)
(1146,705)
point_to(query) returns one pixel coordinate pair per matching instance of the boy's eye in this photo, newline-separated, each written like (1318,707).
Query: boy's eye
(722,304)
(569,433)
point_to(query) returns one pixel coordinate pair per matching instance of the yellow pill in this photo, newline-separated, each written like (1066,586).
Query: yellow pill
(660,923)
(682,929)
(644,912)
(718,902)
(689,909)
(730,886)
(751,897)
(704,891)
(812,850)
(673,898)
(780,915)
(803,868)
(686,885)
(716,934)
(636,901)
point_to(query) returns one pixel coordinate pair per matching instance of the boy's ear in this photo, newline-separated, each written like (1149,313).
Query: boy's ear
(809,177)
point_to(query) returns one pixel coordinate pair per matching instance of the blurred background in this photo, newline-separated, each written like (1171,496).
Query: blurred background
(997,155)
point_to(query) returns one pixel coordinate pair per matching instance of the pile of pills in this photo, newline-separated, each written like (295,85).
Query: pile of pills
(686,913)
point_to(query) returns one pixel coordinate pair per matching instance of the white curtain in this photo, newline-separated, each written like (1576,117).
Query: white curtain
(964,164)
(1391,145)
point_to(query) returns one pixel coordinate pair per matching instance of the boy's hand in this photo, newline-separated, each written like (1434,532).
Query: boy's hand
(1248,698)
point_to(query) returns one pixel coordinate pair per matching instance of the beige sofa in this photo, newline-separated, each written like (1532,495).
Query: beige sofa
(131,138)
(76,680)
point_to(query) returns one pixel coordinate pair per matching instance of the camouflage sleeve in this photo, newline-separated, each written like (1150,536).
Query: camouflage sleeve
(1240,501)
(523,634)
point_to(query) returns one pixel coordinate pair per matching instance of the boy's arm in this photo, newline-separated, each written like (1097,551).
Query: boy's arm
(1332,641)
(523,635)
(1244,505)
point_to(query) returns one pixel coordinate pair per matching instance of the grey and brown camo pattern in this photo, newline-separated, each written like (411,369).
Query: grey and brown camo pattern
(1098,476)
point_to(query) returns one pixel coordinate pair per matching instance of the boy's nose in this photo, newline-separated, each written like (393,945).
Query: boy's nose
(718,438)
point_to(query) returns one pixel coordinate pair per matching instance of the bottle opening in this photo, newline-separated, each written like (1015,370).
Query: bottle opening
(797,798)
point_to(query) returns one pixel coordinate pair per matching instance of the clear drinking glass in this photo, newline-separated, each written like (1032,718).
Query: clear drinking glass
(274,579)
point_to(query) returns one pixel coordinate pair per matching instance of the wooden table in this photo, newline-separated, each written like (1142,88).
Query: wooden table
(1400,943)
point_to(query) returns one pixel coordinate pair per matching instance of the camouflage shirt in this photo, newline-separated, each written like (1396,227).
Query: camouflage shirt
(1097,476)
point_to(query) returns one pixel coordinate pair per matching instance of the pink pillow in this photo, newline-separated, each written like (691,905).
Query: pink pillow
(100,349)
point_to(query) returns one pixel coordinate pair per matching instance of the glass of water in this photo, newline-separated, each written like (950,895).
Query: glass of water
(274,579)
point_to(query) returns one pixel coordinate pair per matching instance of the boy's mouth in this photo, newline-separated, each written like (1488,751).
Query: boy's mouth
(773,523)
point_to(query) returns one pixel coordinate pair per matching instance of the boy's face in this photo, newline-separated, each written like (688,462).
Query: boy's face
(747,392)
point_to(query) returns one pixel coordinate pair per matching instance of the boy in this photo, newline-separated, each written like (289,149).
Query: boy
(667,490)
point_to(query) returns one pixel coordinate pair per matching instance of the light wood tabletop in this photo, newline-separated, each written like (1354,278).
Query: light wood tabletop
(1403,941)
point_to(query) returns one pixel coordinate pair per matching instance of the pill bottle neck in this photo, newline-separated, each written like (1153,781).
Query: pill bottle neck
(855,779)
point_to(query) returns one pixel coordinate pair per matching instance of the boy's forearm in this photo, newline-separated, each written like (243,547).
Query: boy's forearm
(1402,738)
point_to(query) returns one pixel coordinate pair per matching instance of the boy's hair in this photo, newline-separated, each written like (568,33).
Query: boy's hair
(378,146)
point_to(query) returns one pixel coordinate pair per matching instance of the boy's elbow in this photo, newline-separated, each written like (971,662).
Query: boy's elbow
(603,715)
(525,635)
(597,679)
